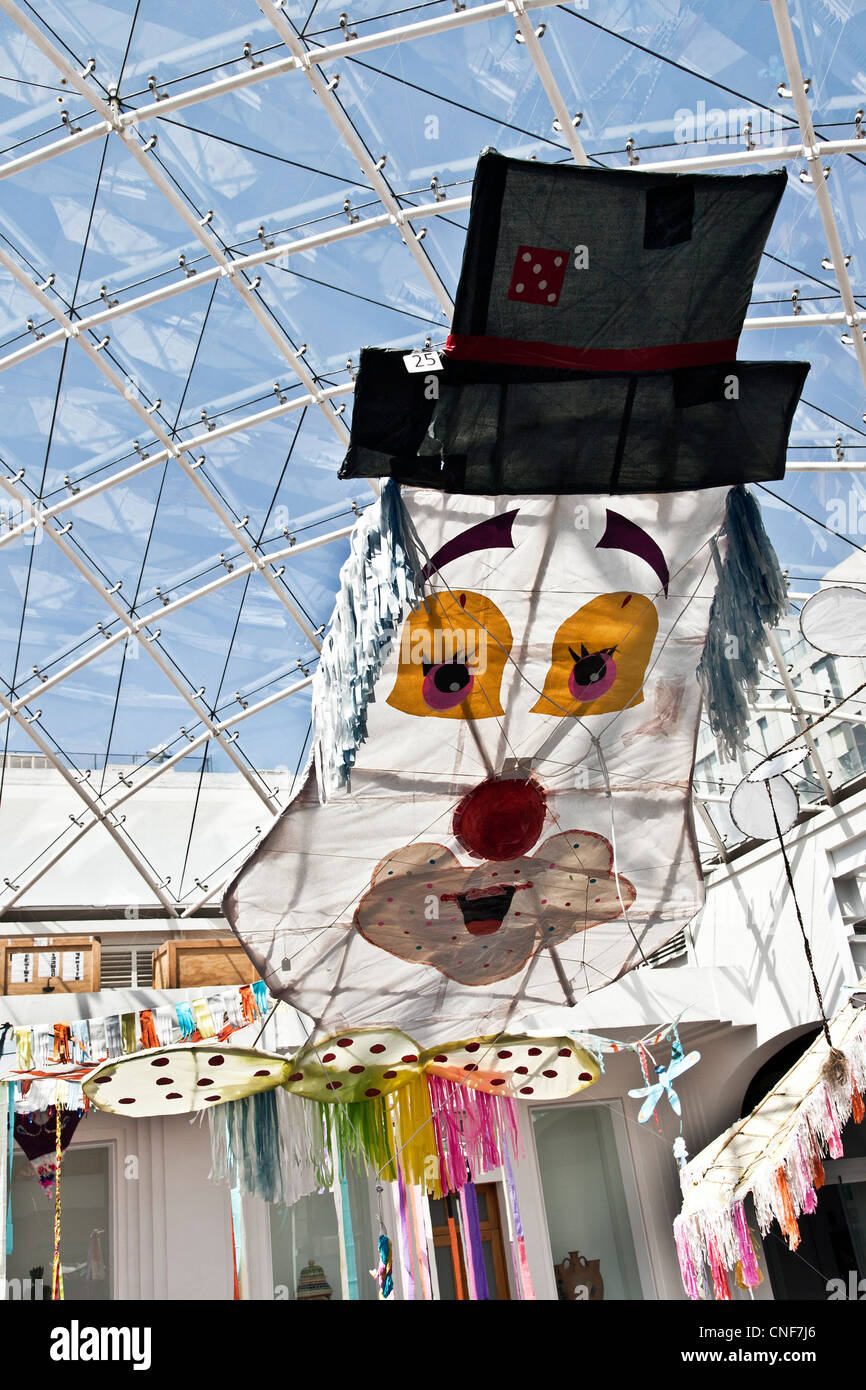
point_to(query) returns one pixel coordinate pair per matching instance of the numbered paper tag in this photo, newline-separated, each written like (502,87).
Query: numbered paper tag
(427,361)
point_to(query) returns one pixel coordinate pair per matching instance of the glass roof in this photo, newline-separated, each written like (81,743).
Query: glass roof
(147,147)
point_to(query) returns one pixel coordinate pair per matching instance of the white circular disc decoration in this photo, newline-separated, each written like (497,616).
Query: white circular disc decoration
(783,762)
(752,811)
(186,1076)
(834,621)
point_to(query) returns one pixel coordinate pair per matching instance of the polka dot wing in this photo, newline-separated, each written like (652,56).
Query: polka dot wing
(182,1078)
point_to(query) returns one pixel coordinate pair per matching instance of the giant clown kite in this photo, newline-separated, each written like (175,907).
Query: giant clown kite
(562,563)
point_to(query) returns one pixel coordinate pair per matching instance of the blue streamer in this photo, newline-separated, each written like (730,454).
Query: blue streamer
(185,1020)
(750,594)
(349,1241)
(260,994)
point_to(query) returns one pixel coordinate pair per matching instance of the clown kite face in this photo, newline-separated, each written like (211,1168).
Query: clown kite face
(482,924)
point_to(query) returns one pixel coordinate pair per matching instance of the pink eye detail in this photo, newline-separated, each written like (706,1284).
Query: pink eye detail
(592,675)
(446,685)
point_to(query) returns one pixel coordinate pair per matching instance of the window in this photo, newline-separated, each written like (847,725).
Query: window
(586,1203)
(308,1251)
(86,1232)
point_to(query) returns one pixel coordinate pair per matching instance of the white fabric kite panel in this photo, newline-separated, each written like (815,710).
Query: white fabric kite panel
(525,780)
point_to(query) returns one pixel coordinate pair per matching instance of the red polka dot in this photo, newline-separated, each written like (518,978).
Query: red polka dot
(296,1076)
(522,1071)
(127,1100)
(372,1092)
(173,1095)
(205,1081)
(165,1081)
(159,1062)
(503,1054)
(526,1090)
(389,1075)
(471,1066)
(216,1061)
(334,1085)
(440,1057)
(344,1042)
(211,1098)
(498,1081)
(564,1052)
(378,1047)
(356,1071)
(535,1052)
(550,1073)
(472,1047)
(410,1057)
(262,1072)
(585,1076)
(329,1056)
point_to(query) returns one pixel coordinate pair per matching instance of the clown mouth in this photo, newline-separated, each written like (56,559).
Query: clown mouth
(484,909)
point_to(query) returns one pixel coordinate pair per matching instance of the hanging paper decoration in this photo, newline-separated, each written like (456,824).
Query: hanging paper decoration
(834,621)
(518,824)
(653,1092)
(756,807)
(36,1135)
(544,1068)
(187,1076)
(383,1271)
(773,1155)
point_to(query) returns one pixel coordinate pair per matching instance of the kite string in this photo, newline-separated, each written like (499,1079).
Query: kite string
(813,723)
(806,945)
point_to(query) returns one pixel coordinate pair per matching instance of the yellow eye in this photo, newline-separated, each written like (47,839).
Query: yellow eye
(453,651)
(599,657)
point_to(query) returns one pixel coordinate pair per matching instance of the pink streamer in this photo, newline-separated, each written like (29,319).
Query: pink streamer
(471,1127)
(834,1138)
(405,1245)
(721,1287)
(748,1263)
(691,1283)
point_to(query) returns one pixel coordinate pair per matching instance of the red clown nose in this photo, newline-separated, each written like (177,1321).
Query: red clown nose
(500,819)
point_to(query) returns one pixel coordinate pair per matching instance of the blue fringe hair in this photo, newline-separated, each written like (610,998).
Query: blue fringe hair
(751,595)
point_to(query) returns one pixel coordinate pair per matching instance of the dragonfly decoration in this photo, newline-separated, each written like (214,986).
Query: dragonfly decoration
(653,1091)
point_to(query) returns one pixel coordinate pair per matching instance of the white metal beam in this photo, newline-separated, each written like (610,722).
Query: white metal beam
(40,515)
(140,625)
(351,139)
(563,117)
(202,233)
(157,771)
(814,153)
(147,646)
(101,817)
(175,450)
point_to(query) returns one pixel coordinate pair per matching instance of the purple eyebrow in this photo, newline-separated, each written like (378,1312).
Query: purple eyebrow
(492,534)
(622,534)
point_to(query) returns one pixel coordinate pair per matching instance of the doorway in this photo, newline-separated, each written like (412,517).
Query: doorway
(449,1247)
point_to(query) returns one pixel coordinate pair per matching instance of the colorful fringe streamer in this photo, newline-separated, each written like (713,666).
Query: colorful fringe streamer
(470,1127)
(380,579)
(472,1242)
(56,1267)
(782,1186)
(518,1240)
(751,592)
